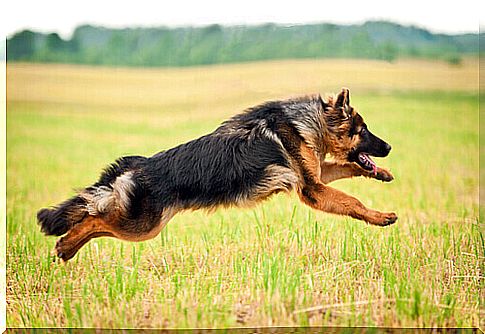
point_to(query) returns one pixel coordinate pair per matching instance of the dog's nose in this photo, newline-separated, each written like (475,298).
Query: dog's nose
(388,147)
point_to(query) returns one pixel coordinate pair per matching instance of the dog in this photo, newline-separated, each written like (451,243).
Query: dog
(278,146)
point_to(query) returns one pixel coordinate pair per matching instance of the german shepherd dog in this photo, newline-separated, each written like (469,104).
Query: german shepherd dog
(274,147)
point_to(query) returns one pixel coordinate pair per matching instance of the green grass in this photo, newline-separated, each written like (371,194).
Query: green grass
(279,263)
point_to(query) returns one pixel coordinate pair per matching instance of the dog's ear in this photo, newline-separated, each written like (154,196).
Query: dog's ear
(343,99)
(343,102)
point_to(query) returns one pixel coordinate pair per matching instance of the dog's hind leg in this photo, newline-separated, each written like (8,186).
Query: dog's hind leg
(321,197)
(79,235)
(144,227)
(91,227)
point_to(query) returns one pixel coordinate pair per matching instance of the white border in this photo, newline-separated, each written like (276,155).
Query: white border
(3,190)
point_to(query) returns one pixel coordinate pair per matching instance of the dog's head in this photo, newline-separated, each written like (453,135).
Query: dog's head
(353,142)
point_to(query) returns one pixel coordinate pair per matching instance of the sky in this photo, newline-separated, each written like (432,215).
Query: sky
(62,16)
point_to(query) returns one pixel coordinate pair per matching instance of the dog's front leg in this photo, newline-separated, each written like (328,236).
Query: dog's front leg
(331,171)
(380,174)
(324,198)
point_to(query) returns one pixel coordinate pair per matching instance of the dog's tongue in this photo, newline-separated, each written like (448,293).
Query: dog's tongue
(368,161)
(373,164)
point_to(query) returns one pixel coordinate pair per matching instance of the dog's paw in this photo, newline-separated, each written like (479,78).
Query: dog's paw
(383,175)
(389,218)
(382,218)
(63,251)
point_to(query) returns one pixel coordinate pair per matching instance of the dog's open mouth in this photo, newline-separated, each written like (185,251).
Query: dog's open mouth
(366,162)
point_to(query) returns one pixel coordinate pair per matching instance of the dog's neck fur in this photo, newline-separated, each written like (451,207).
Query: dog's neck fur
(326,131)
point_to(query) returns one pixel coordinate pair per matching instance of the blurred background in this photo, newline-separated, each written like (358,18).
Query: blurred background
(216,44)
(184,33)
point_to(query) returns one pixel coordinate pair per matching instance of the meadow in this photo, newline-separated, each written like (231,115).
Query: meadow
(279,263)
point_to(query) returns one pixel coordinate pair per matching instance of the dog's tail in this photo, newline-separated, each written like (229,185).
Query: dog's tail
(58,220)
(112,195)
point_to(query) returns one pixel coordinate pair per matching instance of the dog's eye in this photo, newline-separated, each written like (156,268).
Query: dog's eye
(363,131)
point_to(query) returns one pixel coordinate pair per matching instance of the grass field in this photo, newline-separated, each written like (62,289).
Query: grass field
(279,263)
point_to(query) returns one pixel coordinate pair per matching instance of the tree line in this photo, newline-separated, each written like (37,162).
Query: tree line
(216,44)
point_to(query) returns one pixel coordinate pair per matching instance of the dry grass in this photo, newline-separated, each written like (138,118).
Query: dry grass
(228,83)
(279,263)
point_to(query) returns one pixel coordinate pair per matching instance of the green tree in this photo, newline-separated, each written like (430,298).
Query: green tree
(54,42)
(21,46)
(388,51)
